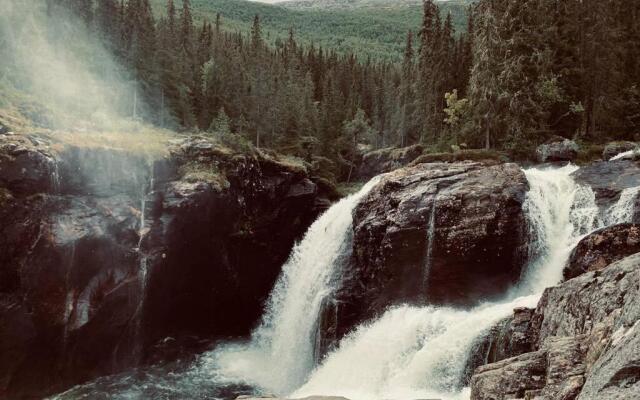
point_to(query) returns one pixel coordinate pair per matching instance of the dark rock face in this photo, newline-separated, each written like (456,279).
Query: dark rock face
(104,253)
(585,334)
(564,150)
(386,160)
(25,169)
(509,338)
(608,179)
(614,148)
(439,233)
(603,247)
(218,252)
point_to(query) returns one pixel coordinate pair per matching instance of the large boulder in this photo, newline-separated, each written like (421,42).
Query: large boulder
(385,160)
(509,338)
(601,248)
(612,149)
(561,150)
(441,233)
(118,247)
(585,333)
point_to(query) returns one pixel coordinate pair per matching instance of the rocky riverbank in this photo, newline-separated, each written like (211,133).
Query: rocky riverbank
(113,257)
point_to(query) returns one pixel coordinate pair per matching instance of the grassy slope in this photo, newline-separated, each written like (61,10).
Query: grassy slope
(369,31)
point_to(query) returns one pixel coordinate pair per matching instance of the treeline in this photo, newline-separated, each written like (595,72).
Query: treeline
(522,71)
(542,67)
(301,100)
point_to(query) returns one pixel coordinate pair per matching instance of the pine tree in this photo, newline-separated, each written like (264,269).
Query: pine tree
(406,92)
(107,18)
(221,124)
(428,67)
(484,86)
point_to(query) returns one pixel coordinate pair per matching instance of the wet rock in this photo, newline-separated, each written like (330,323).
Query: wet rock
(607,298)
(440,233)
(608,179)
(585,331)
(562,150)
(386,160)
(603,247)
(555,372)
(511,378)
(104,171)
(614,148)
(509,338)
(217,251)
(17,333)
(25,168)
(100,266)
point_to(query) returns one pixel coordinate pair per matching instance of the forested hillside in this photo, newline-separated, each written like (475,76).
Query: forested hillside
(375,29)
(522,72)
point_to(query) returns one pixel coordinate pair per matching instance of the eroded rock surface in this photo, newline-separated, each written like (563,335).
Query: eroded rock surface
(585,334)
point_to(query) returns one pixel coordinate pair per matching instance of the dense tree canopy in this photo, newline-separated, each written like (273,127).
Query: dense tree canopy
(523,70)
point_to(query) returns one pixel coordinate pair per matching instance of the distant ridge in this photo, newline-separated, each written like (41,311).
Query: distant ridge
(359,4)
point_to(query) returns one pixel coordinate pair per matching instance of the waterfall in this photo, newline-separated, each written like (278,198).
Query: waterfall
(143,264)
(622,211)
(559,213)
(409,353)
(431,232)
(280,355)
(421,352)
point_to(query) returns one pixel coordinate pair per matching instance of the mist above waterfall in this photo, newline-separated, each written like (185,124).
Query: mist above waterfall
(56,73)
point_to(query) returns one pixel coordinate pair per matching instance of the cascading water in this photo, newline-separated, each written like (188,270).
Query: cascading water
(431,230)
(143,273)
(622,210)
(625,154)
(421,352)
(559,213)
(280,354)
(409,352)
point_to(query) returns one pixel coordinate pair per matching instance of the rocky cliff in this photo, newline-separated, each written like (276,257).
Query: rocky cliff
(585,342)
(106,251)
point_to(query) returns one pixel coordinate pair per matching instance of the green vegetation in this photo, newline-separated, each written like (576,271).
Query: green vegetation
(521,72)
(195,172)
(375,31)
